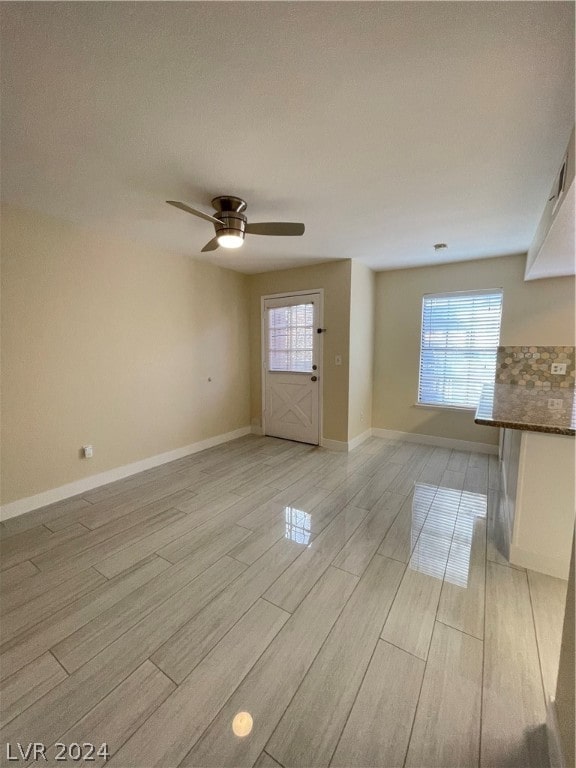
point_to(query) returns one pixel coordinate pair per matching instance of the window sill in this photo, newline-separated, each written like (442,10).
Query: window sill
(435,407)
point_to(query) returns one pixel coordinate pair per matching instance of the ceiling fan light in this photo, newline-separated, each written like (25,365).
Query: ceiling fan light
(230,241)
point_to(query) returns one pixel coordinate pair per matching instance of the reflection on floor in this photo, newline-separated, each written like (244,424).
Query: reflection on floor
(273,604)
(297,525)
(442,545)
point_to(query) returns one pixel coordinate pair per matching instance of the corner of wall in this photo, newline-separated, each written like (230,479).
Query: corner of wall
(361,345)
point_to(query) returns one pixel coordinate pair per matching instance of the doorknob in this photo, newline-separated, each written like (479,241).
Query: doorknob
(314,367)
(313,378)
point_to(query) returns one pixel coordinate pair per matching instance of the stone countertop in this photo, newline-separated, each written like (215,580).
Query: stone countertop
(534,410)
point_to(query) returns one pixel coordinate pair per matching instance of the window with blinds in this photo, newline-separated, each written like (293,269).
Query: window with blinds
(460,335)
(291,338)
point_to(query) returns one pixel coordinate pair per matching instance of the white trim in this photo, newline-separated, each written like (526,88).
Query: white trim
(475,292)
(442,442)
(320,349)
(289,294)
(334,445)
(435,406)
(359,439)
(505,504)
(19,507)
(536,561)
(331,445)
(553,735)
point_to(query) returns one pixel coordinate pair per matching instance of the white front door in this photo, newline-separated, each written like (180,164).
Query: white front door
(292,367)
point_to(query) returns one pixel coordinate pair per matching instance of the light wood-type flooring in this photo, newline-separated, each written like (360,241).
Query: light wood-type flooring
(270,603)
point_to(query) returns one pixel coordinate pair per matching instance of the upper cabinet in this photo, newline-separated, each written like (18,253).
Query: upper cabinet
(552,251)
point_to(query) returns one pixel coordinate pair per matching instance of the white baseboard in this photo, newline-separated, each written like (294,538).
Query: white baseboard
(342,445)
(390,434)
(334,445)
(553,734)
(359,439)
(440,442)
(535,561)
(330,445)
(19,507)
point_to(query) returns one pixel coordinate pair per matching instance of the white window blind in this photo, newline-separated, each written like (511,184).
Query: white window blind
(291,338)
(460,335)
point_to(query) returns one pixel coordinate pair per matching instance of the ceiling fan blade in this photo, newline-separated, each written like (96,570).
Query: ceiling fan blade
(193,211)
(275,228)
(211,246)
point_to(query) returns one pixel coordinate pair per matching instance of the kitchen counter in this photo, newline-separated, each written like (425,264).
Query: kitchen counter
(538,461)
(533,410)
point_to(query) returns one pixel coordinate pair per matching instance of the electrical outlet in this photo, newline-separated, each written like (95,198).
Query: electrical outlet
(338,360)
(559,368)
(88,451)
(555,404)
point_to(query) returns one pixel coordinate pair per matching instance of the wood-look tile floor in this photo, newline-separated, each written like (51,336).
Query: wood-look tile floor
(274,604)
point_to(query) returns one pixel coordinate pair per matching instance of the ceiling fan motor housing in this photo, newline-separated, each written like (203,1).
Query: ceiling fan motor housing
(231,224)
(229,212)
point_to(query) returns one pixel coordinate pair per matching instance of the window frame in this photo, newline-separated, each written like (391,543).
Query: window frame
(474,292)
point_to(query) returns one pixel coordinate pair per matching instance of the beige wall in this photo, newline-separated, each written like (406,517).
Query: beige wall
(110,343)
(540,312)
(361,350)
(334,278)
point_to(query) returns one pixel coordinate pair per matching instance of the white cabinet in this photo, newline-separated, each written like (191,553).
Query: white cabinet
(538,473)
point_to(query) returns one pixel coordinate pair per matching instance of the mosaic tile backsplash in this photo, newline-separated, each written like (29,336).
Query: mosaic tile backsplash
(530,367)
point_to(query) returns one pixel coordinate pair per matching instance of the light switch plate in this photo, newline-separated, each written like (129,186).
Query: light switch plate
(558,368)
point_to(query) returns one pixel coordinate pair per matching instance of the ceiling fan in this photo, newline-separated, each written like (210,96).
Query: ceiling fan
(232,226)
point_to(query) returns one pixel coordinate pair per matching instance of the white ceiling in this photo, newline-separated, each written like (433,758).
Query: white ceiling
(384,126)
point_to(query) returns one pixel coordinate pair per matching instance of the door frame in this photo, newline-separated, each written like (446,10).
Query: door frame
(263,331)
